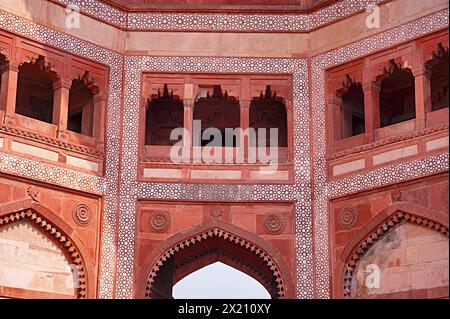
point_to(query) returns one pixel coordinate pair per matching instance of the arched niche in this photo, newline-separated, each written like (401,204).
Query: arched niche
(397,94)
(216,110)
(397,253)
(81,107)
(352,119)
(41,256)
(35,90)
(269,111)
(164,114)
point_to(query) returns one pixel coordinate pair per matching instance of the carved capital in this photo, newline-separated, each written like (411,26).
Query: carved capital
(60,82)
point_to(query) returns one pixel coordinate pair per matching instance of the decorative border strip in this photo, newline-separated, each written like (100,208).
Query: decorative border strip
(73,179)
(388,141)
(388,175)
(132,189)
(154,21)
(51,141)
(374,179)
(377,235)
(53,174)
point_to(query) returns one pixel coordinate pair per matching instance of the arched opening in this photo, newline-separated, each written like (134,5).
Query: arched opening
(353,117)
(30,261)
(409,257)
(216,110)
(37,258)
(397,95)
(206,248)
(164,114)
(219,281)
(269,112)
(81,108)
(35,90)
(404,255)
(439,79)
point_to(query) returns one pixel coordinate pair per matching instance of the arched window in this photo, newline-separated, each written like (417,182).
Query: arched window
(35,90)
(219,281)
(397,95)
(164,113)
(217,110)
(352,110)
(269,111)
(81,108)
(439,78)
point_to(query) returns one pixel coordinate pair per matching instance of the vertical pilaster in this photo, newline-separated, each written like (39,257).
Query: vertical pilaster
(371,109)
(61,90)
(187,122)
(8,93)
(334,118)
(99,119)
(422,82)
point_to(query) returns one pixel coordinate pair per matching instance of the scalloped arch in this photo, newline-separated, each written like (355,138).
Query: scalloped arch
(56,230)
(231,234)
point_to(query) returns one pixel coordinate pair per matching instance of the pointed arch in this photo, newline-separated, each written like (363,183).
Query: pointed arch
(259,254)
(60,233)
(380,225)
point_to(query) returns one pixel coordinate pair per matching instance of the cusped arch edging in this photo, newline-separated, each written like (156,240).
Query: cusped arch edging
(378,227)
(60,233)
(217,229)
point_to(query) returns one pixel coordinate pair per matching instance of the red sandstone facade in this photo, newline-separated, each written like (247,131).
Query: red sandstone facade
(93,206)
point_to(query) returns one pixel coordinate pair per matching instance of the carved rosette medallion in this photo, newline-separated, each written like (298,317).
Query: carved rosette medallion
(348,217)
(82,214)
(274,223)
(216,211)
(160,221)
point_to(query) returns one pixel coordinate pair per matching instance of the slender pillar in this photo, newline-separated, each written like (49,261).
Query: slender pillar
(422,81)
(371,109)
(99,119)
(334,118)
(244,142)
(187,122)
(61,90)
(8,94)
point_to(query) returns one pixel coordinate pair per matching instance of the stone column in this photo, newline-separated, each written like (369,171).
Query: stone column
(244,143)
(187,122)
(99,120)
(8,94)
(371,109)
(422,81)
(61,90)
(334,119)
